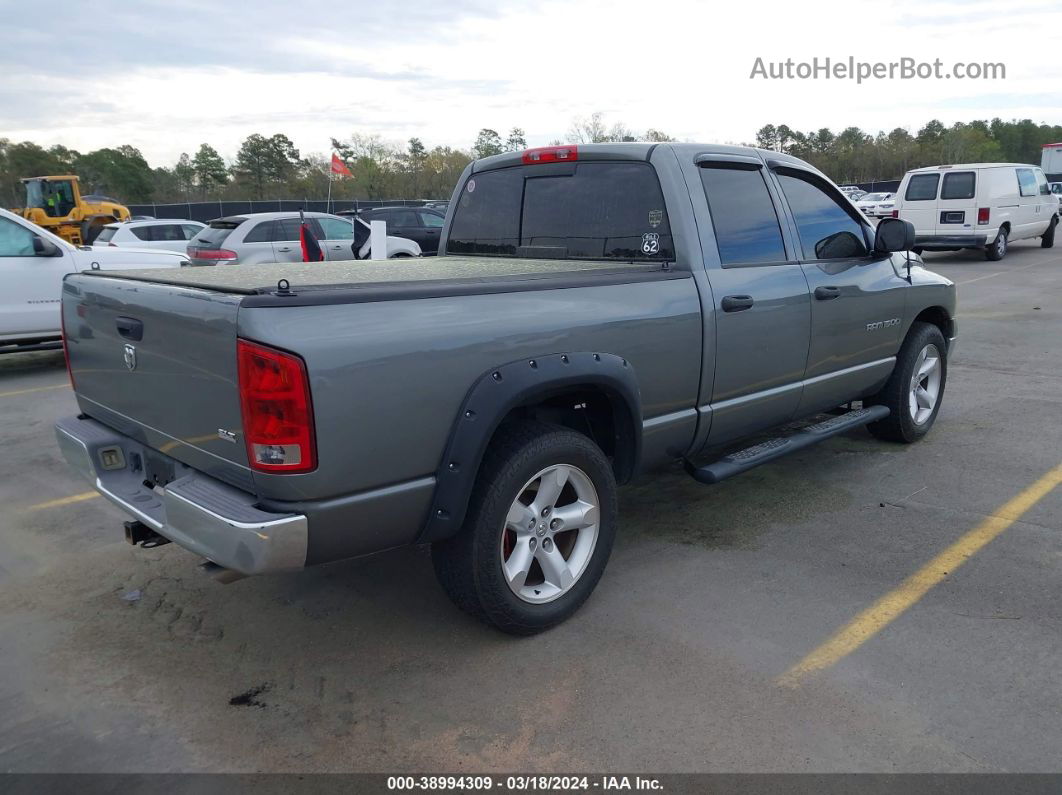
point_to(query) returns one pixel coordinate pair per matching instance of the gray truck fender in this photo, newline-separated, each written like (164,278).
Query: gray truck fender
(522,383)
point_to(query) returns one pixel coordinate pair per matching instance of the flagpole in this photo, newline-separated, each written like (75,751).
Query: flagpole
(328,202)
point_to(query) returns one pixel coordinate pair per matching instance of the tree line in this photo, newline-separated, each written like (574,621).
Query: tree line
(267,167)
(853,155)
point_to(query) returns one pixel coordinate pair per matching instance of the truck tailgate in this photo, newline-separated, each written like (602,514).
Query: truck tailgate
(158,362)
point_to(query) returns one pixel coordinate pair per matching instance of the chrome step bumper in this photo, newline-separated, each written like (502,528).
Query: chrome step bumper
(201,514)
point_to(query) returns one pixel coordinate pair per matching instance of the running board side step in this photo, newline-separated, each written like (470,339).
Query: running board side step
(750,457)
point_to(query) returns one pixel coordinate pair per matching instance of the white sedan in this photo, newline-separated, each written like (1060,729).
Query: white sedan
(877,205)
(33,263)
(170,234)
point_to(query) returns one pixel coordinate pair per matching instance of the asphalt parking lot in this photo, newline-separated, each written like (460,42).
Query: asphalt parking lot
(698,651)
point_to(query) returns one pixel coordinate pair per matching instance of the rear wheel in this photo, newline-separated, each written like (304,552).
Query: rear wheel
(915,389)
(997,249)
(1048,239)
(538,532)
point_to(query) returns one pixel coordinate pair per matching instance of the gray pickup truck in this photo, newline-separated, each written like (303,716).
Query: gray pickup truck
(597,311)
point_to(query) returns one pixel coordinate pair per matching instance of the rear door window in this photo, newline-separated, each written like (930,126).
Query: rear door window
(922,187)
(286,230)
(335,229)
(431,220)
(400,218)
(959,185)
(826,229)
(167,232)
(585,210)
(143,232)
(743,215)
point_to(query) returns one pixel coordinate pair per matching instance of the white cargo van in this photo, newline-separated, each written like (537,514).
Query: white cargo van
(977,205)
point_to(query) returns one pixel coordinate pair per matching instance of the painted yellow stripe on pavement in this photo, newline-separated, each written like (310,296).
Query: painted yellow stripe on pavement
(893,604)
(33,389)
(88,495)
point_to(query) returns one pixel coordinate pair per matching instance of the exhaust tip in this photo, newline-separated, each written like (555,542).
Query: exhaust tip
(220,573)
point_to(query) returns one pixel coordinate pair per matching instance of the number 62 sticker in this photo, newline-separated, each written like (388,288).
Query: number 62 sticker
(650,243)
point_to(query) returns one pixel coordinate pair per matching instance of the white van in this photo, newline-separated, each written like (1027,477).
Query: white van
(977,205)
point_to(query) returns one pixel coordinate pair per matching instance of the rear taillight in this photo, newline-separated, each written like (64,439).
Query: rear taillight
(895,213)
(551,154)
(982,215)
(277,413)
(217,254)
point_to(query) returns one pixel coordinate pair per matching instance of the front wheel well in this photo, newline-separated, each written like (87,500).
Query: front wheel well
(939,317)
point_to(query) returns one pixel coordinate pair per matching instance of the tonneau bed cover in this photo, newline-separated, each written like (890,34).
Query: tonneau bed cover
(359,274)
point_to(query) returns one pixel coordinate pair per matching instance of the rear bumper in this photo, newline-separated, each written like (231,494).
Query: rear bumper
(201,514)
(931,242)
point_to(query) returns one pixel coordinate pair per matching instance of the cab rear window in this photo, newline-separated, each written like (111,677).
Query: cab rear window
(587,210)
(922,187)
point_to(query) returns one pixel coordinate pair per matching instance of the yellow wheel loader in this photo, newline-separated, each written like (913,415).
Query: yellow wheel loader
(56,204)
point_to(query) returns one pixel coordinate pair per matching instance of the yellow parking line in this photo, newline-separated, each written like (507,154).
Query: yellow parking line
(88,495)
(893,604)
(33,389)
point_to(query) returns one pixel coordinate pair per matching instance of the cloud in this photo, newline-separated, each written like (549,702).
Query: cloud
(166,76)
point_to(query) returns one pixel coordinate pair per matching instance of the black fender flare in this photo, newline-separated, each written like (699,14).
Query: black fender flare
(502,389)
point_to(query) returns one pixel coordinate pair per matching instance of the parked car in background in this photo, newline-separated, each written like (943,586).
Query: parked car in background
(421,224)
(274,237)
(172,234)
(876,205)
(977,205)
(33,262)
(853,192)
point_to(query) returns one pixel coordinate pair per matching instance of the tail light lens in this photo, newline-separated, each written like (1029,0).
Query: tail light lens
(982,215)
(895,213)
(217,254)
(276,407)
(551,154)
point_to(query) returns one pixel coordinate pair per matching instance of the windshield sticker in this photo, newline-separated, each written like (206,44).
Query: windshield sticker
(655,217)
(471,185)
(650,243)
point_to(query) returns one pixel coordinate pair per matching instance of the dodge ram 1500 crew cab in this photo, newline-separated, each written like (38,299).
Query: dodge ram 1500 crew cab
(597,311)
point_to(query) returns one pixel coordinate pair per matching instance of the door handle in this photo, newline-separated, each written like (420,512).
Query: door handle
(130,328)
(737,303)
(827,293)
(284,248)
(336,248)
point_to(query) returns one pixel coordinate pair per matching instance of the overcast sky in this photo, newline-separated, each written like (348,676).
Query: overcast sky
(166,76)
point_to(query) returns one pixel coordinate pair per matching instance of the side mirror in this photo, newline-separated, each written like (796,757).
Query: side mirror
(894,234)
(45,248)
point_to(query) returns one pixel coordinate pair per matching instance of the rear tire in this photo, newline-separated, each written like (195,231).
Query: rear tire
(915,389)
(1048,238)
(997,249)
(496,567)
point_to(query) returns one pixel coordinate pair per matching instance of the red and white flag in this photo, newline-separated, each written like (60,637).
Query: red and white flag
(339,167)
